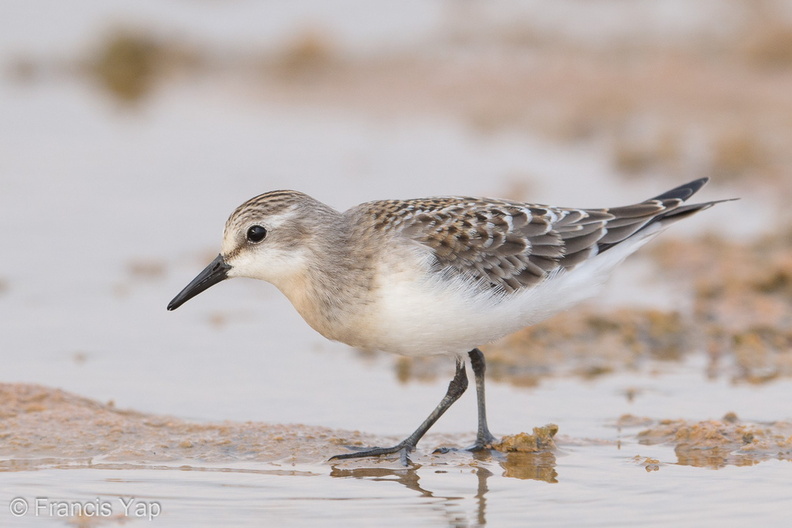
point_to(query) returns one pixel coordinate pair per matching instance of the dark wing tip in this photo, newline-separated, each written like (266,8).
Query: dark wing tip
(683,192)
(669,208)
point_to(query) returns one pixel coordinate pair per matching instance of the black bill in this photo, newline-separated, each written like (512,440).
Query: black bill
(215,272)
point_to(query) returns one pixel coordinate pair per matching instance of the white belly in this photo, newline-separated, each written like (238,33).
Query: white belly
(415,315)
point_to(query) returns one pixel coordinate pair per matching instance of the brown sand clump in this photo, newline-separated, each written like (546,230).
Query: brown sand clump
(718,443)
(530,456)
(540,440)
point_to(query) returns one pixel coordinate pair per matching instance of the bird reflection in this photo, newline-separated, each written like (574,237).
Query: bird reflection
(526,466)
(407,477)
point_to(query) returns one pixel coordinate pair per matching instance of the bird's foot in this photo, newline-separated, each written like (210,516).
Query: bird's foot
(482,443)
(403,449)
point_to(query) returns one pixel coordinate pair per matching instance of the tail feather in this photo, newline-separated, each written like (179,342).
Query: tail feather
(684,211)
(670,209)
(683,192)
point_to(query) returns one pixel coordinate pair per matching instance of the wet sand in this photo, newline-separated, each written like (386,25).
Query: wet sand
(148,459)
(44,427)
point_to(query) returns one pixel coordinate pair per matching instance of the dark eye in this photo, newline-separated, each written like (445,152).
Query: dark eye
(256,233)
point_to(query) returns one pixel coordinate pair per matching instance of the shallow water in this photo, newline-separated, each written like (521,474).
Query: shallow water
(108,211)
(602,481)
(424,497)
(598,473)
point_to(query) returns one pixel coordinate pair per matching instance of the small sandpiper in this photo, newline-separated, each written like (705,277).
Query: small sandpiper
(434,275)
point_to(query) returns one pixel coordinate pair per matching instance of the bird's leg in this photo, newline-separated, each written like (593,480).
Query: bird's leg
(455,389)
(484,438)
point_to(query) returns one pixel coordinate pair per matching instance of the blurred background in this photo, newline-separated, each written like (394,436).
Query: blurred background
(130,129)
